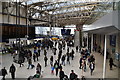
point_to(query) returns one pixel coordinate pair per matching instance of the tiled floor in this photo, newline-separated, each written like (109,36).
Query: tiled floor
(23,72)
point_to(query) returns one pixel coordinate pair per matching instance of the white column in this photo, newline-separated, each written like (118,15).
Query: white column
(91,42)
(104,64)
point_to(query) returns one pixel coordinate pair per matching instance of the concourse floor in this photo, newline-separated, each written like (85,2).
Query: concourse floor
(23,72)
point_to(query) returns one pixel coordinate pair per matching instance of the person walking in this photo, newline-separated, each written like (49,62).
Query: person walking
(38,69)
(92,67)
(76,48)
(61,74)
(21,61)
(45,59)
(37,55)
(72,54)
(39,50)
(68,59)
(45,52)
(54,50)
(52,69)
(56,66)
(111,64)
(34,57)
(80,62)
(4,73)
(51,60)
(60,67)
(30,64)
(12,71)
(63,60)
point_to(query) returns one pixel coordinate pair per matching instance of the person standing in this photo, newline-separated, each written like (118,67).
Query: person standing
(45,59)
(4,73)
(12,71)
(61,74)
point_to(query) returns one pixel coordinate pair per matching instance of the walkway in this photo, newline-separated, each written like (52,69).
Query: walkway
(23,72)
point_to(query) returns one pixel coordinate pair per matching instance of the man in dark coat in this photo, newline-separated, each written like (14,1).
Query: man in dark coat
(12,71)
(61,74)
(111,63)
(4,73)
(72,75)
(72,54)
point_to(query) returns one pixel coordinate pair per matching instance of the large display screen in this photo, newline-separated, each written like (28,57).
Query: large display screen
(65,31)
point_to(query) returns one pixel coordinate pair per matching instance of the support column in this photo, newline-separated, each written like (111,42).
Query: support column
(87,40)
(91,42)
(104,63)
(50,33)
(78,35)
(79,27)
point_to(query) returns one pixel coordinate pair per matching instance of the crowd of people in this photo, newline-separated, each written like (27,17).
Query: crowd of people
(57,65)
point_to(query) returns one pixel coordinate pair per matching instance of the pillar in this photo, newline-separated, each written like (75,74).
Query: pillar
(87,41)
(117,43)
(104,63)
(79,34)
(91,42)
